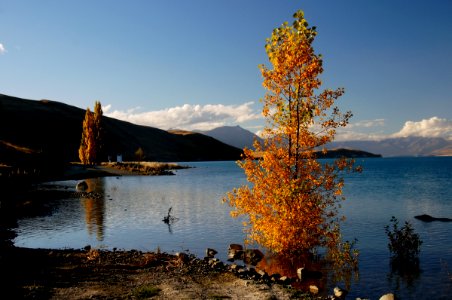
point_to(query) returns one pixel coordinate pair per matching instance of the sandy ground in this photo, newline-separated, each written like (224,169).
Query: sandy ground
(93,274)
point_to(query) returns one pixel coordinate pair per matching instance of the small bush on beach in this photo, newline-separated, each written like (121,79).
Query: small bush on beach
(404,244)
(139,154)
(146,291)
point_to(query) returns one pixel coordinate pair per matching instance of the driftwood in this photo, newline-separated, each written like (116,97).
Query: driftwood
(169,219)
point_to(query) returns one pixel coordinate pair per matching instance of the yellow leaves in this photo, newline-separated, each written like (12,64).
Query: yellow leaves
(91,135)
(291,201)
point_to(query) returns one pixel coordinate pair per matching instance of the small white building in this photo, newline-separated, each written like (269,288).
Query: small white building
(119,158)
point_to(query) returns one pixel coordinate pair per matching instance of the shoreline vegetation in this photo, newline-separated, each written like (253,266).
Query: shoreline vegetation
(144,168)
(77,171)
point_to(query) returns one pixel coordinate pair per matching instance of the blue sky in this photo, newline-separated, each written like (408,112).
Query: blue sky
(194,64)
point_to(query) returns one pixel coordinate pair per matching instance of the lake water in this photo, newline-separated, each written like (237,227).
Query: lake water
(130,215)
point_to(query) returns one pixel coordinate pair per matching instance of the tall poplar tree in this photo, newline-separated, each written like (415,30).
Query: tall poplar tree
(86,150)
(91,142)
(98,131)
(292,199)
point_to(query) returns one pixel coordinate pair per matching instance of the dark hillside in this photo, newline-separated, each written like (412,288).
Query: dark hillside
(349,153)
(49,130)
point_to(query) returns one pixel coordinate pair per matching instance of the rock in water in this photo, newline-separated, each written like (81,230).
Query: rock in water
(389,296)
(340,293)
(210,252)
(235,251)
(428,218)
(253,256)
(81,186)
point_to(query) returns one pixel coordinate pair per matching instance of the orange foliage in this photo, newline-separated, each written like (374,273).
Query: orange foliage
(86,144)
(91,135)
(292,200)
(98,130)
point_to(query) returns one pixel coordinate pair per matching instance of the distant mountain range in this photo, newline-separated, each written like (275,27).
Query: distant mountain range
(47,130)
(233,135)
(409,146)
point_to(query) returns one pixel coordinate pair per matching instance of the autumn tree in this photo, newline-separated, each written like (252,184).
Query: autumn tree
(86,149)
(98,130)
(292,199)
(90,144)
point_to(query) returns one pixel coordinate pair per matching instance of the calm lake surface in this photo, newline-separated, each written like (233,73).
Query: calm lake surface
(130,215)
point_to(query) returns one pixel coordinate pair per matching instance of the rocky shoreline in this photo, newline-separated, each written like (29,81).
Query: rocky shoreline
(100,274)
(116,274)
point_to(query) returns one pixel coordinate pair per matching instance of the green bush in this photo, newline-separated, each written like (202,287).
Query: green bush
(404,244)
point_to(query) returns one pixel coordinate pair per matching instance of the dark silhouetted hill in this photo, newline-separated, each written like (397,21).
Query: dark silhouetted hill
(47,130)
(349,153)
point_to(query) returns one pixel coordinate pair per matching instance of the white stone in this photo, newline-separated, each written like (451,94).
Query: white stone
(300,273)
(389,296)
(340,293)
(314,289)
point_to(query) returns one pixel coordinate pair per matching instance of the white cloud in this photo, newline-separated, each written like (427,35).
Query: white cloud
(362,130)
(348,135)
(2,49)
(433,127)
(187,116)
(205,117)
(372,130)
(367,123)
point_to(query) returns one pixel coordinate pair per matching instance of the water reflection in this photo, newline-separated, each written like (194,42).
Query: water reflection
(312,269)
(306,269)
(94,207)
(404,275)
(288,266)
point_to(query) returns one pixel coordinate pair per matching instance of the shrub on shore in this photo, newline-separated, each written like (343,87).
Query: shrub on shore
(404,244)
(147,168)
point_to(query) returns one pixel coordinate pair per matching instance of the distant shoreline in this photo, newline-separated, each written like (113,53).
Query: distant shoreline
(14,179)
(79,171)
